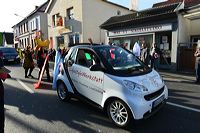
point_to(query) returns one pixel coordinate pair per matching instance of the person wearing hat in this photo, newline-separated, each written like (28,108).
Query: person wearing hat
(28,63)
(3,76)
(197,64)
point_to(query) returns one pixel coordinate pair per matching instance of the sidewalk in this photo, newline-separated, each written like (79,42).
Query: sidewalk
(178,76)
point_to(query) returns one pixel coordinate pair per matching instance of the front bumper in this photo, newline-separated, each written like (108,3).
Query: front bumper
(142,109)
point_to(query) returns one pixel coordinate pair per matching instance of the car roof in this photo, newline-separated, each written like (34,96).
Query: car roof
(92,46)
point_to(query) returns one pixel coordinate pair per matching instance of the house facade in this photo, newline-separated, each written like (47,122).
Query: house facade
(168,24)
(76,21)
(32,26)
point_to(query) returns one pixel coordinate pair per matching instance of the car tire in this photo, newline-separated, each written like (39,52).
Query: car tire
(119,113)
(62,92)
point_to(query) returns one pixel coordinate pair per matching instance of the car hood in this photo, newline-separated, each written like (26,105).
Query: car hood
(9,54)
(152,81)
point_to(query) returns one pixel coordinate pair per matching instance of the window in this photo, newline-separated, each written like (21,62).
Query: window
(118,12)
(55,20)
(60,41)
(36,23)
(70,13)
(27,26)
(73,56)
(77,38)
(71,39)
(74,38)
(86,58)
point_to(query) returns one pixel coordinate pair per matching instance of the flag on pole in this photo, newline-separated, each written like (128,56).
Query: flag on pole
(58,60)
(133,5)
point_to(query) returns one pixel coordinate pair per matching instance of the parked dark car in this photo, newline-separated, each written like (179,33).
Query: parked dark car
(10,55)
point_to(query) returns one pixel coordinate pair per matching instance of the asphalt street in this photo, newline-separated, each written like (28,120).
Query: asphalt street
(40,111)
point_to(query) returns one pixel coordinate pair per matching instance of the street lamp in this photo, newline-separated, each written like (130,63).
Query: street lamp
(19,16)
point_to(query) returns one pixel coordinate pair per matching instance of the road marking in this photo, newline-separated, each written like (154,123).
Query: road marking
(25,86)
(185,107)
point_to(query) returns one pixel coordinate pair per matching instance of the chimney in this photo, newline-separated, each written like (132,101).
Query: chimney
(36,7)
(133,5)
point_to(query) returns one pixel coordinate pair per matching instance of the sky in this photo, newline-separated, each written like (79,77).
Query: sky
(9,8)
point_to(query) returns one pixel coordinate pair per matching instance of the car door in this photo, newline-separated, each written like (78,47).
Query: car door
(87,83)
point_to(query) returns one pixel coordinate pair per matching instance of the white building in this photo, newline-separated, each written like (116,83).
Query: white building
(173,26)
(34,25)
(75,21)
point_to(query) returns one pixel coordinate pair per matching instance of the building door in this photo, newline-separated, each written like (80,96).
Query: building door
(163,41)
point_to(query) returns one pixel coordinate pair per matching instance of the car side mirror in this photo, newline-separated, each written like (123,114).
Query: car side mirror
(70,63)
(96,67)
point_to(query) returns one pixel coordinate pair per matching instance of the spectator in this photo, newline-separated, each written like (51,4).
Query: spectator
(145,54)
(136,49)
(124,45)
(28,63)
(197,65)
(154,56)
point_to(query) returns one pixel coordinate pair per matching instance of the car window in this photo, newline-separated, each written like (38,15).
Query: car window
(120,59)
(86,58)
(73,55)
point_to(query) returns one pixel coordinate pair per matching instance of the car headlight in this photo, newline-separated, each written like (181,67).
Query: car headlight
(134,87)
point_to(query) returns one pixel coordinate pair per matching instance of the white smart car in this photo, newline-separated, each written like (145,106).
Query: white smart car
(113,79)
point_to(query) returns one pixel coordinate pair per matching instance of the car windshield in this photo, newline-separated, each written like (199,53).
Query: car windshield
(8,50)
(120,59)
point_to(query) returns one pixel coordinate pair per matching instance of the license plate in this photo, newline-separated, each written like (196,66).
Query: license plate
(158,101)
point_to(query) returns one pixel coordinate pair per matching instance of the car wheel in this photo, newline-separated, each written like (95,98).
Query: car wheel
(62,92)
(119,113)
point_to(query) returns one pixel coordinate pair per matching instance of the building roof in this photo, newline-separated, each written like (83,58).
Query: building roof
(151,14)
(41,8)
(187,3)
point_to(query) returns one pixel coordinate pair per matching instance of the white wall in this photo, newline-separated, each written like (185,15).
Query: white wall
(174,47)
(195,27)
(95,13)
(184,29)
(44,25)
(60,6)
(90,14)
